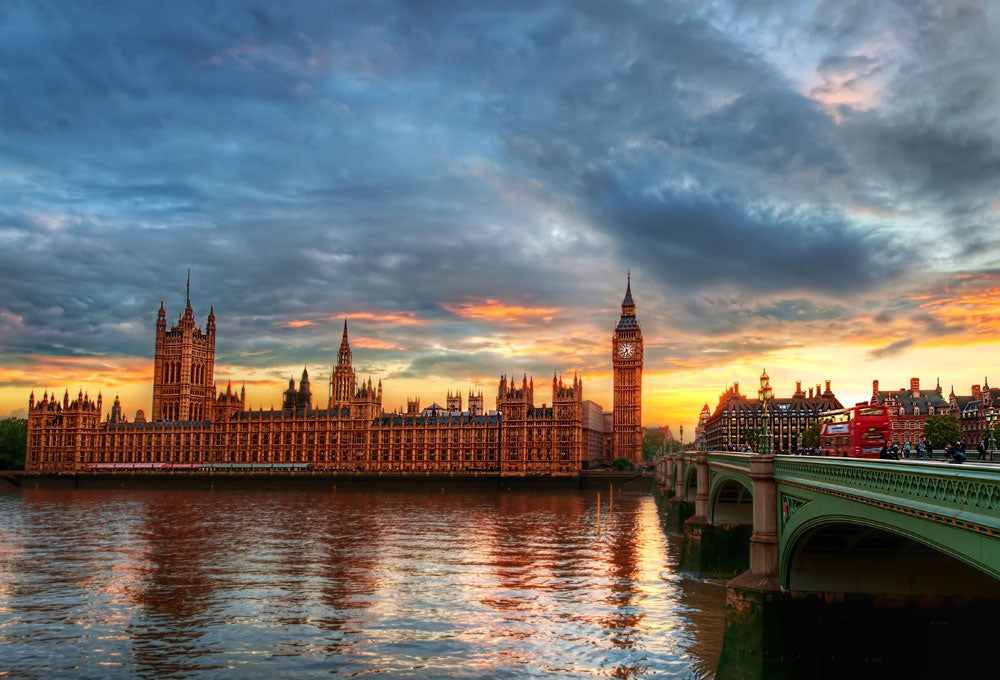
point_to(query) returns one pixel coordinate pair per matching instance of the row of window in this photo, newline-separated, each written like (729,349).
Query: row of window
(201,456)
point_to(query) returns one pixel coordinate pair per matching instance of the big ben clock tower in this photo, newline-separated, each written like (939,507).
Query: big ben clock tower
(626,358)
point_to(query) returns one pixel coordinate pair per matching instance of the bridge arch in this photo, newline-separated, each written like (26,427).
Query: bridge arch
(850,552)
(730,500)
(690,483)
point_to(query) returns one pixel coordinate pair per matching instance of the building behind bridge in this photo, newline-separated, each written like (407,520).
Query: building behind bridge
(908,410)
(977,412)
(785,417)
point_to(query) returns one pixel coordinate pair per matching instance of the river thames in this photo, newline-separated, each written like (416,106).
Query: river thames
(291,583)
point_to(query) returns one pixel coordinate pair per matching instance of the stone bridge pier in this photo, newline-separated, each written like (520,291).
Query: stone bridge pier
(717,535)
(754,601)
(673,472)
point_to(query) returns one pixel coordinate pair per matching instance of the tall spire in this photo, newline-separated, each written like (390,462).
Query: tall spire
(628,320)
(344,356)
(342,381)
(188,316)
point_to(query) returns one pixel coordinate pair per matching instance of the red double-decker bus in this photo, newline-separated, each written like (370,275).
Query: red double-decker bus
(857,431)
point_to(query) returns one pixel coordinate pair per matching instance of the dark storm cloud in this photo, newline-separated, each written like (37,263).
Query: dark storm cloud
(329,159)
(892,349)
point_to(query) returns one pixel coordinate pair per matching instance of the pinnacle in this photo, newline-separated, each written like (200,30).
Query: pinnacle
(627,302)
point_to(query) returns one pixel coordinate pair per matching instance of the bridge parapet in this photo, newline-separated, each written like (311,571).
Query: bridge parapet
(737,461)
(966,497)
(729,465)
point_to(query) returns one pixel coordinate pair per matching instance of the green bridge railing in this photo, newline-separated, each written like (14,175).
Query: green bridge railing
(736,461)
(964,494)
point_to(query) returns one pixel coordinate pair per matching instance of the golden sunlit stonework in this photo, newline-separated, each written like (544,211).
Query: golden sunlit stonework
(626,357)
(196,424)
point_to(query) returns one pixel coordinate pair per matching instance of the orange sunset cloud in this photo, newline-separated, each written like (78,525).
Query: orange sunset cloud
(496,310)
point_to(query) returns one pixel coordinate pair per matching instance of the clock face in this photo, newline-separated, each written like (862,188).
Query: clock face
(626,350)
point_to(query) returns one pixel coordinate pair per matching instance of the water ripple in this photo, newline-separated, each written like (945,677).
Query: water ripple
(243,584)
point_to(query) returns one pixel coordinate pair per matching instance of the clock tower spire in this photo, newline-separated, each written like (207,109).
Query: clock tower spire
(626,359)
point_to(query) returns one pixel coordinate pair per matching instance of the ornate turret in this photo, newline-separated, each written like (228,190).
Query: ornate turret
(290,396)
(117,415)
(183,367)
(304,398)
(344,355)
(476,403)
(343,379)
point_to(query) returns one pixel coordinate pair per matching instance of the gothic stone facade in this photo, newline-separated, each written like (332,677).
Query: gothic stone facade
(195,422)
(908,410)
(626,359)
(786,420)
(977,412)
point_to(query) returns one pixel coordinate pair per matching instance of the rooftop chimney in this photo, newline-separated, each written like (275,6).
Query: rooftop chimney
(874,386)
(915,387)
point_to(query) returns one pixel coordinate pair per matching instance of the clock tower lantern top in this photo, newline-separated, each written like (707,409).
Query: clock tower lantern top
(628,320)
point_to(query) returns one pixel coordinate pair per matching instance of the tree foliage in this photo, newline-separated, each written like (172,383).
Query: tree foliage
(810,436)
(623,464)
(753,436)
(655,442)
(13,443)
(939,431)
(651,443)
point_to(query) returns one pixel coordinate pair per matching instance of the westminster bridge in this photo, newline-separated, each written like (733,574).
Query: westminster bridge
(872,546)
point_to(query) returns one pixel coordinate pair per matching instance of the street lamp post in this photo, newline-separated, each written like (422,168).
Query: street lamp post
(765,439)
(989,436)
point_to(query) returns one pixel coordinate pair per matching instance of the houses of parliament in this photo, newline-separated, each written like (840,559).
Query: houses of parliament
(195,424)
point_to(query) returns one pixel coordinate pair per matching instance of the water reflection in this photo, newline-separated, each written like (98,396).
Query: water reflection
(425,585)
